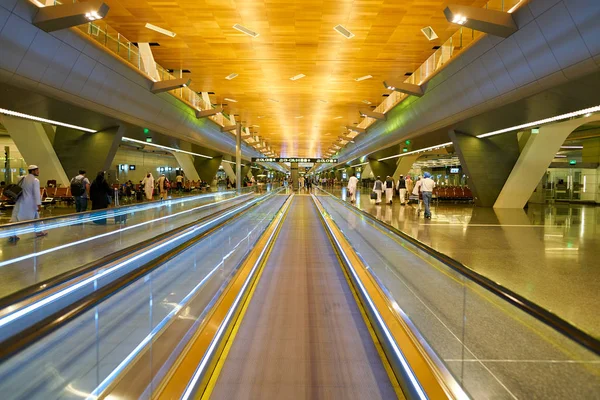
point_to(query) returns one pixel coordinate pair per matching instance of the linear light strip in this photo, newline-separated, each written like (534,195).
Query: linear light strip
(70,289)
(47,121)
(439,146)
(160,30)
(128,139)
(411,375)
(108,380)
(6,232)
(543,121)
(189,391)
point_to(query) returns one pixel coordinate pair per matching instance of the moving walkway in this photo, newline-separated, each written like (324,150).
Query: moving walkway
(299,297)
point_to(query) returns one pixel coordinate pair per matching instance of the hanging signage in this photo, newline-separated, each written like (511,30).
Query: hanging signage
(295,160)
(454,170)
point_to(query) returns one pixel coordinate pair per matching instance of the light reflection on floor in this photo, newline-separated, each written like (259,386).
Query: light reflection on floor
(547,253)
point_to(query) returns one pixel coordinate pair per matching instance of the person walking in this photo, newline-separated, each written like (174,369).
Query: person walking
(352,187)
(389,190)
(410,185)
(179,181)
(401,186)
(148,183)
(100,192)
(378,189)
(427,185)
(162,187)
(29,204)
(80,189)
(416,191)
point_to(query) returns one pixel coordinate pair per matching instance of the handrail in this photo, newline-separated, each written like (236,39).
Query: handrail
(541,314)
(81,215)
(56,280)
(35,332)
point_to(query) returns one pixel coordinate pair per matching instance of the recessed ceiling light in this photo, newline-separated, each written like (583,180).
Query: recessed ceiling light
(323,101)
(343,31)
(260,116)
(300,116)
(366,101)
(245,30)
(338,117)
(160,30)
(363,78)
(231,100)
(274,101)
(231,76)
(429,33)
(256,126)
(295,78)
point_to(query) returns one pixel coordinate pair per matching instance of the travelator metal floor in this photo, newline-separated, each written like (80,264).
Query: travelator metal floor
(298,297)
(303,334)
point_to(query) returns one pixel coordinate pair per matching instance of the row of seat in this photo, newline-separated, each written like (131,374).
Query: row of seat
(456,193)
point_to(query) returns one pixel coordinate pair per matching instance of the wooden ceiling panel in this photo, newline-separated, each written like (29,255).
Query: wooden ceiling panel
(296,37)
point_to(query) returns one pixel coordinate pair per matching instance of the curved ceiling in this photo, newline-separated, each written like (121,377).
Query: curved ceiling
(302,117)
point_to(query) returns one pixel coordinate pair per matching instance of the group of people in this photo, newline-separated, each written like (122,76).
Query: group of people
(422,188)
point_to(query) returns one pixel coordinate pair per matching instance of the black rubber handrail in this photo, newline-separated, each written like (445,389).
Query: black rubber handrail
(56,280)
(541,314)
(40,329)
(13,225)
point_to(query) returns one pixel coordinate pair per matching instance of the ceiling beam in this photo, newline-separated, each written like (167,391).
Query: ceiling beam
(497,23)
(403,87)
(356,129)
(165,86)
(208,113)
(373,114)
(64,16)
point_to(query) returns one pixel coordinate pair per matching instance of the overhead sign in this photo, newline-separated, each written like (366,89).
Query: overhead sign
(454,170)
(296,160)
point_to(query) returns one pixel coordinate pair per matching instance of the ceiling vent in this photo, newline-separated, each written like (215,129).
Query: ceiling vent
(436,47)
(245,30)
(408,74)
(343,31)
(429,33)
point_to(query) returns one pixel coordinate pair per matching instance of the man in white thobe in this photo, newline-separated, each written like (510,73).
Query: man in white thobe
(148,183)
(352,185)
(29,204)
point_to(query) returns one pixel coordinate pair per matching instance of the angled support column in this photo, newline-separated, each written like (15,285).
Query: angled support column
(62,16)
(294,175)
(207,168)
(186,163)
(404,165)
(494,22)
(487,162)
(92,152)
(382,168)
(238,156)
(534,160)
(36,148)
(148,63)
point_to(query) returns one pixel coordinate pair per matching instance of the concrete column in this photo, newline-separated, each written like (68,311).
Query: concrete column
(238,156)
(367,172)
(591,151)
(207,168)
(538,153)
(228,168)
(92,152)
(186,163)
(382,168)
(294,175)
(35,147)
(487,162)
(404,165)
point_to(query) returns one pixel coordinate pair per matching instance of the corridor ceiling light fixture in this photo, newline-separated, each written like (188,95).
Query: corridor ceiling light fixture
(160,30)
(231,76)
(439,146)
(299,116)
(323,101)
(588,115)
(340,117)
(363,78)
(44,120)
(128,139)
(343,31)
(571,147)
(366,101)
(542,121)
(274,101)
(295,78)
(429,33)
(62,16)
(245,30)
(459,19)
(560,156)
(231,100)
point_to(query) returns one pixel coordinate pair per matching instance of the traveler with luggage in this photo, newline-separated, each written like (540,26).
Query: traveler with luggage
(389,190)
(401,186)
(163,184)
(352,187)
(416,193)
(28,199)
(179,181)
(377,190)
(80,188)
